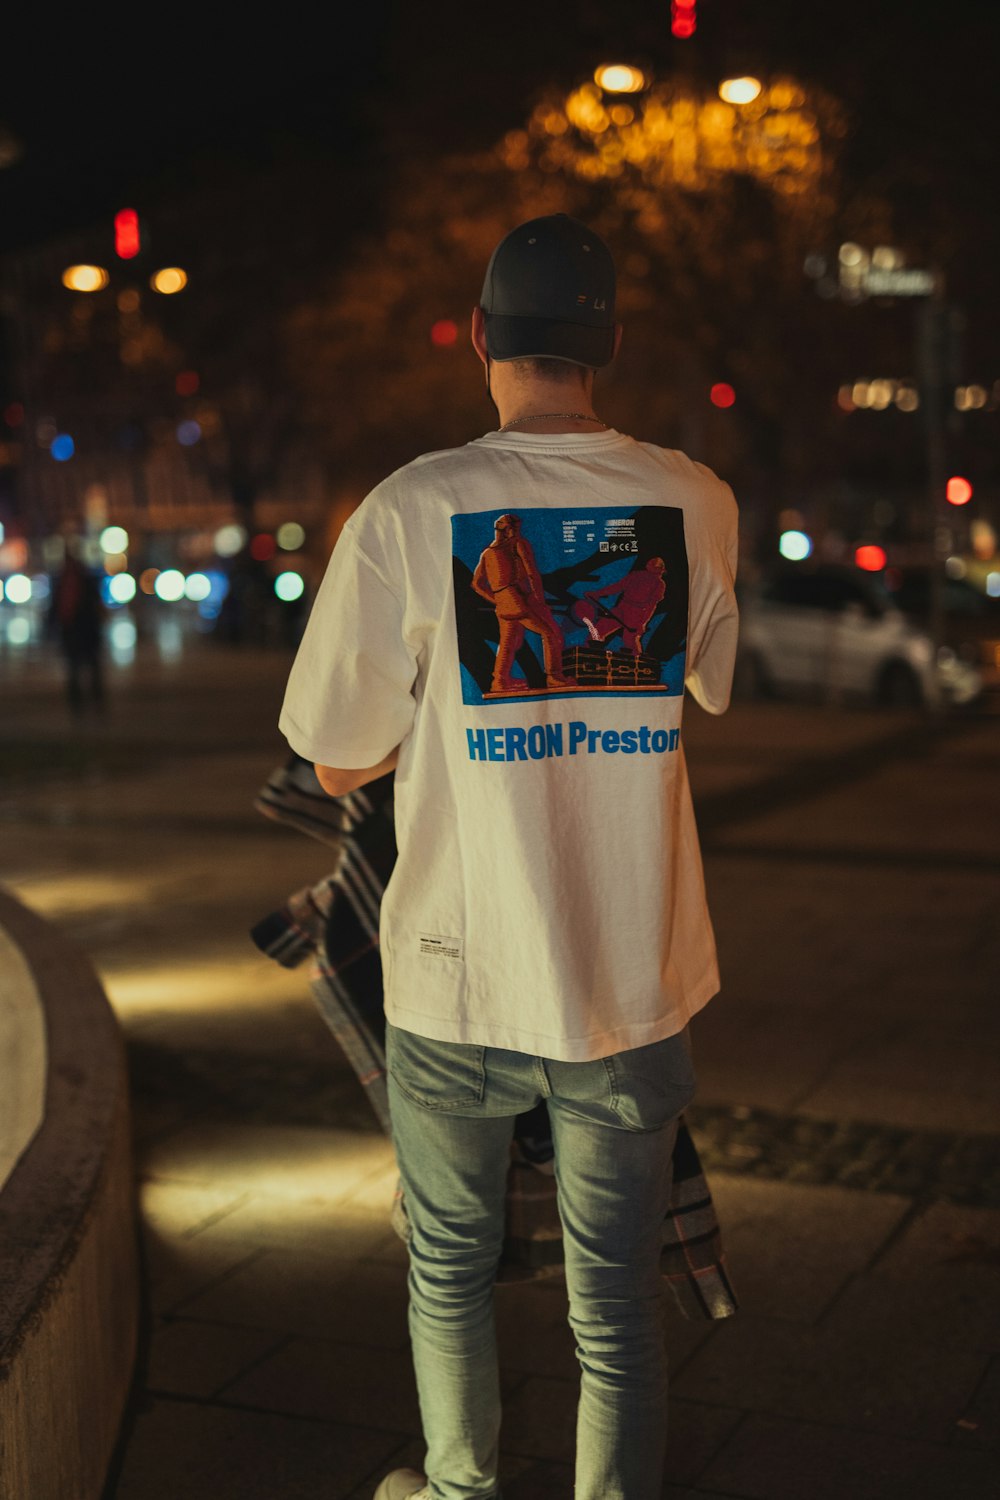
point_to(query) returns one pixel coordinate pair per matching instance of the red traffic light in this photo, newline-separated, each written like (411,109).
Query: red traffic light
(958,491)
(683,18)
(127,244)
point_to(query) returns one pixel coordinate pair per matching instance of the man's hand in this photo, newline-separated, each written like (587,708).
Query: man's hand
(338,783)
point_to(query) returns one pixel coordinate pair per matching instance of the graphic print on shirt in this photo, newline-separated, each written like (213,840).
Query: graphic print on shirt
(570,602)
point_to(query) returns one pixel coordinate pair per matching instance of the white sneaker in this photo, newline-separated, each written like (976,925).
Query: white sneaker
(403,1484)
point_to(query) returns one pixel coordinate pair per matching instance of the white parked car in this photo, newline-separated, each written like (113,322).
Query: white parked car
(831,632)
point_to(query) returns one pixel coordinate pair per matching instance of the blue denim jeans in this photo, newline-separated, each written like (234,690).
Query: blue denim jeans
(613,1126)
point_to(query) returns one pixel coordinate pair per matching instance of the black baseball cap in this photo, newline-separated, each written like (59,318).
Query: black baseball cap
(549,293)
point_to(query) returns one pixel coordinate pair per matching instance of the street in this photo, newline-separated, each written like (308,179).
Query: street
(847,1112)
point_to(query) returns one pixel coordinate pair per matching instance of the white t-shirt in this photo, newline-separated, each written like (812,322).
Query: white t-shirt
(521,615)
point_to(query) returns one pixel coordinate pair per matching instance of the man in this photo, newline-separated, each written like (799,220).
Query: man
(544,933)
(507,575)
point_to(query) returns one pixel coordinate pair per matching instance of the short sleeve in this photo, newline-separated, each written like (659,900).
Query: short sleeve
(716,629)
(349,699)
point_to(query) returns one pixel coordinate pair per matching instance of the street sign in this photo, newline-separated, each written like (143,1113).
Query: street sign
(879,281)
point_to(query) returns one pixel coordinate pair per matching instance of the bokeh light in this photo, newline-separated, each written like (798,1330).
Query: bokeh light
(188,433)
(289,586)
(62,447)
(262,547)
(169,585)
(796,546)
(122,636)
(85,278)
(114,539)
(168,281)
(187,383)
(147,580)
(18,632)
(619,78)
(739,90)
(197,587)
(230,539)
(290,536)
(444,332)
(869,558)
(722,394)
(18,588)
(958,491)
(122,588)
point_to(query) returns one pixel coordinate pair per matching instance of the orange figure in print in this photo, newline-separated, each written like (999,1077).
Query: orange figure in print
(507,575)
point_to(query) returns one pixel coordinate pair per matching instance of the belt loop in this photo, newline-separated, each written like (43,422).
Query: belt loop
(544,1086)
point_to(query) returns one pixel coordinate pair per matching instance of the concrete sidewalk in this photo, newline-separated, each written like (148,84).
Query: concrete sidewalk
(847,1113)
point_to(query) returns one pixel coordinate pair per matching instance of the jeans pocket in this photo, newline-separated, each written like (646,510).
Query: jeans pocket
(436,1075)
(650,1086)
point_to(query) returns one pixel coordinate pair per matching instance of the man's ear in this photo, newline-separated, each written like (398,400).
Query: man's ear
(479,333)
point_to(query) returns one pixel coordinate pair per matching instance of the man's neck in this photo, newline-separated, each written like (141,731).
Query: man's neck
(544,406)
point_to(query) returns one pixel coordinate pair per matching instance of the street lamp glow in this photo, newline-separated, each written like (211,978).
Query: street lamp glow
(197,587)
(85,278)
(122,588)
(290,536)
(619,78)
(169,585)
(230,539)
(739,90)
(168,281)
(289,586)
(795,545)
(114,539)
(18,588)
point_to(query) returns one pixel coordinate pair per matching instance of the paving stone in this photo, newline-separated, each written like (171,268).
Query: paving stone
(925,1077)
(944,1236)
(533,1335)
(771,1459)
(343,1383)
(186,1267)
(175,1210)
(189,1358)
(761,1053)
(287,1161)
(695,1433)
(792,1247)
(539,1421)
(979,1424)
(312,1295)
(215,1453)
(877,1368)
(304,1222)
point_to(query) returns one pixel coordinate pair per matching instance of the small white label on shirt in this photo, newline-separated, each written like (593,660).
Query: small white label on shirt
(433,945)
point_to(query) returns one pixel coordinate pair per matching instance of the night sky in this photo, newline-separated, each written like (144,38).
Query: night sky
(107,116)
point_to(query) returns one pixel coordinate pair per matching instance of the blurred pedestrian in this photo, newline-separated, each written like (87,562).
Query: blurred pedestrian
(544,934)
(76,617)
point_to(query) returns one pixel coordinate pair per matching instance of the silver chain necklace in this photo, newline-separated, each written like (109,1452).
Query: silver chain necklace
(553,416)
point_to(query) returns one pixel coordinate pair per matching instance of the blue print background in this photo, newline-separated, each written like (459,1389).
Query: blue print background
(567,547)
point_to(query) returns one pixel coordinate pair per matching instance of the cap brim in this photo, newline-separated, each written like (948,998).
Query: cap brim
(541,338)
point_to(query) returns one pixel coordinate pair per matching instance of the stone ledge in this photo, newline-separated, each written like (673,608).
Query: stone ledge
(69,1290)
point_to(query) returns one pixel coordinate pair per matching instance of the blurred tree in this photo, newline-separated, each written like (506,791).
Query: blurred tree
(710,209)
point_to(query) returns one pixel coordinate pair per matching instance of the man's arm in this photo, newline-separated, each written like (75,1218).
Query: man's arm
(338,783)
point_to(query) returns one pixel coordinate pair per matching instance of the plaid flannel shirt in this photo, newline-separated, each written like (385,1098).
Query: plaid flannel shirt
(334,924)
